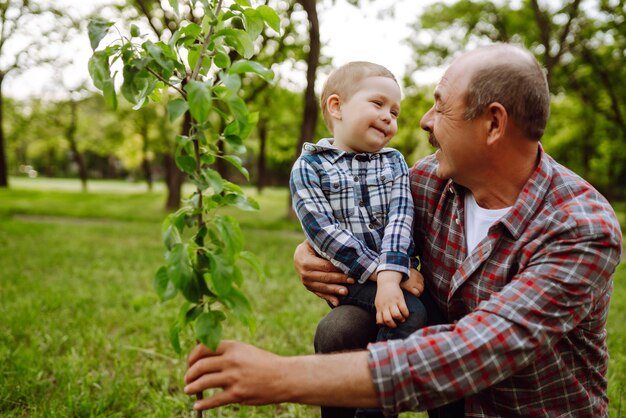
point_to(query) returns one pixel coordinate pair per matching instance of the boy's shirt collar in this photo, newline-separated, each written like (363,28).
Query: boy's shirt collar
(325,145)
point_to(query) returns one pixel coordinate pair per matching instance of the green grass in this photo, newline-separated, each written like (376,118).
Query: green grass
(82,332)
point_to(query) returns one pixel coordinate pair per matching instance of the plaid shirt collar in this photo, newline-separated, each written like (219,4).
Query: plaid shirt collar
(332,153)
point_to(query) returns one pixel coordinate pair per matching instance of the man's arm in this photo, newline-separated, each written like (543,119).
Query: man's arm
(250,376)
(323,279)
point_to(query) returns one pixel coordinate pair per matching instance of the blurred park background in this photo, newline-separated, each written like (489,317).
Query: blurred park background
(83,188)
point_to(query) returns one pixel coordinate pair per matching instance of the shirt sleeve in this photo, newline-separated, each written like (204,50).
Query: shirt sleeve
(322,229)
(397,244)
(564,280)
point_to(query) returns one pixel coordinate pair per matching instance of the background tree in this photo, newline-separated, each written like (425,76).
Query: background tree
(28,39)
(580,51)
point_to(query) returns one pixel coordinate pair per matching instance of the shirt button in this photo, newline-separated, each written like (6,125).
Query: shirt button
(335,185)
(457,221)
(451,190)
(371,226)
(382,178)
(361,203)
(356,178)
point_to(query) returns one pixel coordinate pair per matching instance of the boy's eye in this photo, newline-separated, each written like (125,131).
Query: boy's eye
(377,102)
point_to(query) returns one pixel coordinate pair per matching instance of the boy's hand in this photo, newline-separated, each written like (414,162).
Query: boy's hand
(414,284)
(390,304)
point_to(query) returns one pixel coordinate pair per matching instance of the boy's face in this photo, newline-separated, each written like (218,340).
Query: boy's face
(367,120)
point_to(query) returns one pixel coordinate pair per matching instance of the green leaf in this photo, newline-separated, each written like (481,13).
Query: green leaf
(163,285)
(254,262)
(209,328)
(242,202)
(239,304)
(175,337)
(246,66)
(222,60)
(171,237)
(97,29)
(253,22)
(186,163)
(134,30)
(243,2)
(237,39)
(236,162)
(174,4)
(230,234)
(221,274)
(253,118)
(99,69)
(232,82)
(213,179)
(239,110)
(270,16)
(108,91)
(199,99)
(181,273)
(157,53)
(191,314)
(193,55)
(138,83)
(176,108)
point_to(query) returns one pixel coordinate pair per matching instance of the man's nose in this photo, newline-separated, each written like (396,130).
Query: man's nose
(426,123)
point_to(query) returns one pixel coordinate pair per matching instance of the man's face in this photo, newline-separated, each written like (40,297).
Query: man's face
(458,141)
(369,117)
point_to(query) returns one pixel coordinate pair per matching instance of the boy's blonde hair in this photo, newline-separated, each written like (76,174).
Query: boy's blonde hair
(344,82)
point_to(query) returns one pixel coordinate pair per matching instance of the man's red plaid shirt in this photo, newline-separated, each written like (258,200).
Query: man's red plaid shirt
(527,307)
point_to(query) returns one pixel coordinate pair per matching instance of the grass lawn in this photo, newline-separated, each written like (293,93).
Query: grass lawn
(83,334)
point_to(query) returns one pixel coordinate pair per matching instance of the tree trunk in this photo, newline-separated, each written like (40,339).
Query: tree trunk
(261,169)
(4,177)
(174,178)
(71,137)
(262,130)
(309,121)
(145,163)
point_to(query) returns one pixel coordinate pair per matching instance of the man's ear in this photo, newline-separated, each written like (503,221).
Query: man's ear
(497,119)
(333,104)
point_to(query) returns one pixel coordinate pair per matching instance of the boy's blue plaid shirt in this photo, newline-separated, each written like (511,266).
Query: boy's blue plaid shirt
(355,209)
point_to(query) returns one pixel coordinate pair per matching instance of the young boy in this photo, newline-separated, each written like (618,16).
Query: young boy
(353,199)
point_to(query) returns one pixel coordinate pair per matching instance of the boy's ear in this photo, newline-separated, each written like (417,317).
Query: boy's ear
(333,104)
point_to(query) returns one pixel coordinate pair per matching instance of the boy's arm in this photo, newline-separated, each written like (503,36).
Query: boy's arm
(397,246)
(325,234)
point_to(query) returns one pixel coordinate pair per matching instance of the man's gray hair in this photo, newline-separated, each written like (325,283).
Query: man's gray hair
(520,85)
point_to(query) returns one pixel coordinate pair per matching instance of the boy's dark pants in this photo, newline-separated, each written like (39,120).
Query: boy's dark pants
(351,327)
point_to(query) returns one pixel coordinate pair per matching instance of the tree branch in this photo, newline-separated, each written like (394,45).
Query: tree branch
(205,45)
(157,75)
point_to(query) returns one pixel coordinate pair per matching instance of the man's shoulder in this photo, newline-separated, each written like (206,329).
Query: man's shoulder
(577,203)
(424,173)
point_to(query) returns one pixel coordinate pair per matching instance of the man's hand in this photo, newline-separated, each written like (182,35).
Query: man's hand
(251,376)
(247,375)
(390,303)
(319,275)
(414,284)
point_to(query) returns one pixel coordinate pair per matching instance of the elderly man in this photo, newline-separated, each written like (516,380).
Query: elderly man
(517,253)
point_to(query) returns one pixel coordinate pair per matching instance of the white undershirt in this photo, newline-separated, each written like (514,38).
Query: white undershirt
(478,220)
